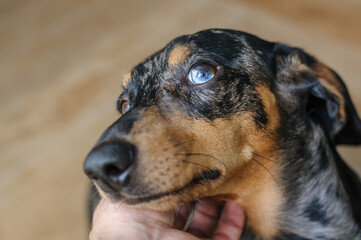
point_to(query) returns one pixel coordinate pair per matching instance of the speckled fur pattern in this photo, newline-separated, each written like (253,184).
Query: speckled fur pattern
(263,133)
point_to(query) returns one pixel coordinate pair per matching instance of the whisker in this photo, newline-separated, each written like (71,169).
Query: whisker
(179,210)
(93,195)
(195,163)
(178,144)
(204,179)
(266,170)
(264,157)
(195,199)
(189,218)
(184,202)
(200,201)
(202,154)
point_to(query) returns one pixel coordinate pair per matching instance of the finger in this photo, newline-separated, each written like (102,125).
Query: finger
(231,222)
(205,219)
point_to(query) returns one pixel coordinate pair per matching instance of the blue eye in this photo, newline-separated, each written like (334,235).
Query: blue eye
(202,73)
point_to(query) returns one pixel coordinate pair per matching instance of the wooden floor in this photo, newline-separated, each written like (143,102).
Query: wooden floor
(60,68)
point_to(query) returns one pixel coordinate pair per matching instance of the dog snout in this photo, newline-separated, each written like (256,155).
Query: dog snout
(110,164)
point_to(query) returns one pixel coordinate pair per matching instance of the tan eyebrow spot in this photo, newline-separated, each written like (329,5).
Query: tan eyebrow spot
(178,55)
(126,78)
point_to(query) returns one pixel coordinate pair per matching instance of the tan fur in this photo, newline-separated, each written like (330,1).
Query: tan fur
(269,102)
(126,78)
(259,194)
(178,55)
(232,143)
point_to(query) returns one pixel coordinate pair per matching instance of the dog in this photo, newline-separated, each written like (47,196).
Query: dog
(226,115)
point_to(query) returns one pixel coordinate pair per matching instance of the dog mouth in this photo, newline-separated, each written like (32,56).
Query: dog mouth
(200,179)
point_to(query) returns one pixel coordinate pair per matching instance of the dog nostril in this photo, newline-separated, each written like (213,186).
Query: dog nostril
(112,171)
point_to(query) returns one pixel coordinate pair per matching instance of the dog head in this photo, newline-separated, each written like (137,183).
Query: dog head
(206,116)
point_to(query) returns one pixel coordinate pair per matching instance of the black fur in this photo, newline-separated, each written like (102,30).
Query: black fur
(322,194)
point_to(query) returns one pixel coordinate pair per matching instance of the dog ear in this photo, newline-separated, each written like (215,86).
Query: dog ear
(321,91)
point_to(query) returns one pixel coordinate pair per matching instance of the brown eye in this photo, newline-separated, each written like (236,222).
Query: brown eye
(124,106)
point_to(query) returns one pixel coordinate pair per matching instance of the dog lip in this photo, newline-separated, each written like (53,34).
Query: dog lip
(104,186)
(208,175)
(113,194)
(205,176)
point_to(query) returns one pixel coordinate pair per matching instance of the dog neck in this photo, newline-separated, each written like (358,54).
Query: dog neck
(317,204)
(301,196)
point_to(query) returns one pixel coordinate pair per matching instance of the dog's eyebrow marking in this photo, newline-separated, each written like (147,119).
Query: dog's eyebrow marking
(178,55)
(126,78)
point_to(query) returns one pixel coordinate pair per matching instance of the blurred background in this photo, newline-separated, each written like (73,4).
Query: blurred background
(60,68)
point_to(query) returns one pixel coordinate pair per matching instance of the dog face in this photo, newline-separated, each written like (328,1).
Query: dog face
(207,116)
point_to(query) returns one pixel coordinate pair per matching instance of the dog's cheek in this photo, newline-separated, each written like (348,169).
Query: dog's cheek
(160,165)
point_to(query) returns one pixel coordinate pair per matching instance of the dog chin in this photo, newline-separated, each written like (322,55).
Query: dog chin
(162,204)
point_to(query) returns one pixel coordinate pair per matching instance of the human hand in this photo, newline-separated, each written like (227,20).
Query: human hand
(116,221)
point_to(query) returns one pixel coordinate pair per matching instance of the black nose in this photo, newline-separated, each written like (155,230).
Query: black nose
(109,164)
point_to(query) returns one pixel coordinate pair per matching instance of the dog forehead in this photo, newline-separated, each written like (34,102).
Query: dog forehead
(217,44)
(233,49)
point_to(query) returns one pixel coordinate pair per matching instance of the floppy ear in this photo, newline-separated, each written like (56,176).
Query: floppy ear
(324,94)
(349,132)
